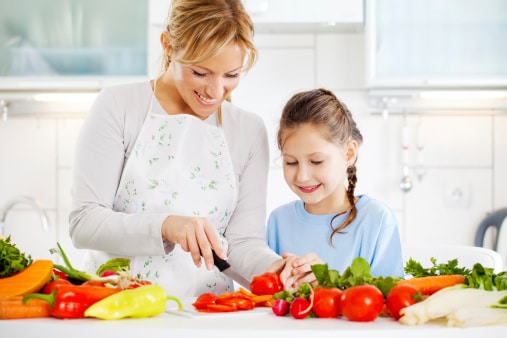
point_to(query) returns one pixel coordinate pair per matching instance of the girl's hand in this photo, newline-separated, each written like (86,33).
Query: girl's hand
(298,270)
(195,235)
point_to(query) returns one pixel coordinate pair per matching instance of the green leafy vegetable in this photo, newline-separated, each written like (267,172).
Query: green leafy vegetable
(358,273)
(415,269)
(76,276)
(12,260)
(114,264)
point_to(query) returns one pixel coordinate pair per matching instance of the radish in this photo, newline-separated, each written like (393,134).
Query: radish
(300,308)
(280,307)
(107,273)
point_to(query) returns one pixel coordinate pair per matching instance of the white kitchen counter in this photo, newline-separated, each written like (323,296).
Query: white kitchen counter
(256,323)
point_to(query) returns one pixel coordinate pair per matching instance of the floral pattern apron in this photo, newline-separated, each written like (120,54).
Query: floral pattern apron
(179,165)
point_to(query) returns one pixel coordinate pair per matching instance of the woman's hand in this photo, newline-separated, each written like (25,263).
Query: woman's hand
(195,235)
(297,270)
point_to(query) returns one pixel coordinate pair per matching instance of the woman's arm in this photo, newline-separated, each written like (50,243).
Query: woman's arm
(249,253)
(102,148)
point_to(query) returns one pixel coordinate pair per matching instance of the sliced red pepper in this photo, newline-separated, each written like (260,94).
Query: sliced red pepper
(205,299)
(221,308)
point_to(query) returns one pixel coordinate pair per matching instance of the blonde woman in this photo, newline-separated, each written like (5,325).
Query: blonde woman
(167,171)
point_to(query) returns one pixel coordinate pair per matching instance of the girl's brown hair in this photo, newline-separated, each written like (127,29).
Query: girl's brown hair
(322,109)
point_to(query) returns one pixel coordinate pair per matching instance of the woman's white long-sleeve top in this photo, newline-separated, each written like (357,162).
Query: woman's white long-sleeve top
(105,142)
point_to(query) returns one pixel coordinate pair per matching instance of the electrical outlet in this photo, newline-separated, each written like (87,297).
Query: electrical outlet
(457,196)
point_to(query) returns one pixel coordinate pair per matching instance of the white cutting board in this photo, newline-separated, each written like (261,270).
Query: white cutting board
(190,312)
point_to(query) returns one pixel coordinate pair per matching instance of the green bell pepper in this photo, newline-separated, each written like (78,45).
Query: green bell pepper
(144,301)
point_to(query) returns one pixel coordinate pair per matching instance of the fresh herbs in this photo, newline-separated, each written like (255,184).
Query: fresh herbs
(479,277)
(415,269)
(12,260)
(486,279)
(358,273)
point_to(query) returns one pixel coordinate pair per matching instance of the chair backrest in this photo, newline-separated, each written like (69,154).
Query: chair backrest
(467,256)
(495,220)
(501,243)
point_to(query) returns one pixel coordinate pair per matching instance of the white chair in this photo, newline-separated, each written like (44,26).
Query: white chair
(501,244)
(467,256)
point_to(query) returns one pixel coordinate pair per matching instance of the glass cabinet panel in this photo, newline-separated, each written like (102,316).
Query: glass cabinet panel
(437,42)
(73,38)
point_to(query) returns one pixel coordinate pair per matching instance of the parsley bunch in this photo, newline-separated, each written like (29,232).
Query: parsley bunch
(12,260)
(415,269)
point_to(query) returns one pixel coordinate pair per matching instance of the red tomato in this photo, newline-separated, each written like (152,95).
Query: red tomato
(267,283)
(326,302)
(399,297)
(300,308)
(362,303)
(205,299)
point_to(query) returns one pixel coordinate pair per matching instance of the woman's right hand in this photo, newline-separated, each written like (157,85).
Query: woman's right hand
(195,235)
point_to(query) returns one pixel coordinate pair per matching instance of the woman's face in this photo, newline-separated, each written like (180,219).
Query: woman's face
(315,169)
(204,86)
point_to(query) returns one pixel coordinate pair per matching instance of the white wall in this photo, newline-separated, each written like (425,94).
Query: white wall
(464,156)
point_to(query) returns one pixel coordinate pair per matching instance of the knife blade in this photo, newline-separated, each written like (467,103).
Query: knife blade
(225,268)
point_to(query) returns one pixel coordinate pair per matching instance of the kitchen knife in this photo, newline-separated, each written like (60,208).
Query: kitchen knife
(225,268)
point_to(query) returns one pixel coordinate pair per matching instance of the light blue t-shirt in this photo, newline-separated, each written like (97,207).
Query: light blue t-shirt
(373,235)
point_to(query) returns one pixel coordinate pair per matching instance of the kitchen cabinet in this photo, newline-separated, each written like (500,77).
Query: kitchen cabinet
(291,15)
(79,43)
(434,43)
(304,16)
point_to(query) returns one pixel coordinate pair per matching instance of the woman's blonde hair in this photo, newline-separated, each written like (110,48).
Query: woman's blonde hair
(200,29)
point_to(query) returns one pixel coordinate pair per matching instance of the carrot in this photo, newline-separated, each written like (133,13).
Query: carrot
(428,285)
(14,308)
(29,280)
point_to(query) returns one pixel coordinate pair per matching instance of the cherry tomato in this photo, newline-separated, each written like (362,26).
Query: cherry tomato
(300,308)
(267,283)
(362,303)
(399,297)
(326,302)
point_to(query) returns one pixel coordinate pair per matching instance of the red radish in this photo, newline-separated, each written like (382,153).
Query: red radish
(300,308)
(280,307)
(107,273)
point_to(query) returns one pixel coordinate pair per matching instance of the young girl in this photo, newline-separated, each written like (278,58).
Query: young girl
(318,139)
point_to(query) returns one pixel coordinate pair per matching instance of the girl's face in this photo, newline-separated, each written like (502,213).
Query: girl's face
(204,86)
(315,169)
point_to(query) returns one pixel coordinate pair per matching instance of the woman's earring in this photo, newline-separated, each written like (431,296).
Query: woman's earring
(351,169)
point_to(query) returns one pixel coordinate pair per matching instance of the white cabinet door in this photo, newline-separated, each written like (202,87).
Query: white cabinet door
(303,15)
(432,43)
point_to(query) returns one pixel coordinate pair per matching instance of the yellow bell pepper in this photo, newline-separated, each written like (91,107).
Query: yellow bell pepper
(144,301)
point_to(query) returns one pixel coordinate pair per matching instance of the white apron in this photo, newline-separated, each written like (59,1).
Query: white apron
(179,165)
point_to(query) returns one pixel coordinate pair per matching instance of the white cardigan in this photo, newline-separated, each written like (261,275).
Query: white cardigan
(103,147)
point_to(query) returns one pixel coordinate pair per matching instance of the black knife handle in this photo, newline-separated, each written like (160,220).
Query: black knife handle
(220,263)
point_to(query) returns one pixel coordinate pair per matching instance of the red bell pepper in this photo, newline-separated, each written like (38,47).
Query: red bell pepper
(68,301)
(50,287)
